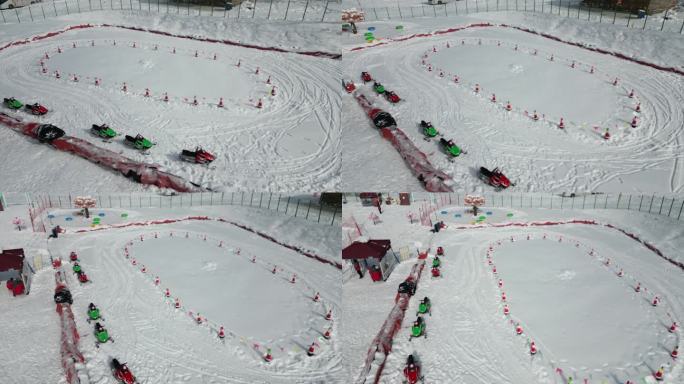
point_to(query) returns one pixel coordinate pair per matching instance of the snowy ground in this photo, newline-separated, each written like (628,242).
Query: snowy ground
(292,143)
(536,154)
(208,266)
(587,322)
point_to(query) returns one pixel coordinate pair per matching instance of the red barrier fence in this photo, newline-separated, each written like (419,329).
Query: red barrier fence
(329,55)
(297,249)
(382,342)
(619,55)
(69,352)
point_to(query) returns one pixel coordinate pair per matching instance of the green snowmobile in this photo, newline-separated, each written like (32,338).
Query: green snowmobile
(101,335)
(76,268)
(13,103)
(424,307)
(428,130)
(93,313)
(379,88)
(418,328)
(450,147)
(436,263)
(138,142)
(103,131)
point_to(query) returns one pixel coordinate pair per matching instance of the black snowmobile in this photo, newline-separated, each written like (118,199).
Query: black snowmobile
(47,133)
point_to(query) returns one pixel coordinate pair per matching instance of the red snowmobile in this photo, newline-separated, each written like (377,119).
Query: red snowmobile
(122,373)
(412,371)
(349,87)
(199,156)
(495,178)
(392,97)
(37,109)
(366,77)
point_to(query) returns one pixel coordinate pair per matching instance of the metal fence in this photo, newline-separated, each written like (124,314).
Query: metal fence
(568,8)
(303,206)
(672,207)
(291,10)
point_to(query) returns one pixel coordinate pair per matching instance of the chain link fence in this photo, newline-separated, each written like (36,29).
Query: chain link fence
(664,21)
(672,207)
(290,10)
(307,207)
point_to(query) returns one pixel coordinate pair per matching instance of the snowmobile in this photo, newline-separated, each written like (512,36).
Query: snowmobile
(495,178)
(407,286)
(103,131)
(73,256)
(12,103)
(48,133)
(392,97)
(82,277)
(366,77)
(379,88)
(418,328)
(101,335)
(382,119)
(63,295)
(450,147)
(436,262)
(412,371)
(76,268)
(199,156)
(349,87)
(122,373)
(436,272)
(93,313)
(424,307)
(36,109)
(428,130)
(138,142)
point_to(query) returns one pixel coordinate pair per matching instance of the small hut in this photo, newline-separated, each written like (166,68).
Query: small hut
(376,256)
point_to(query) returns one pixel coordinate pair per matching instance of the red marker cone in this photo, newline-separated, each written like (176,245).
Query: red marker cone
(655,301)
(535,117)
(134,44)
(274,270)
(506,311)
(174,50)
(257,71)
(518,329)
(328,316)
(316,297)
(503,296)
(500,283)
(535,52)
(259,104)
(675,352)
(221,333)
(59,49)
(47,57)
(508,106)
(156,280)
(615,82)
(166,97)
(273,93)
(673,327)
(238,63)
(167,293)
(253,259)
(268,81)
(494,269)
(447,45)
(294,279)
(634,122)
(194,102)
(477,88)
(638,287)
(124,88)
(195,53)
(268,357)
(326,335)
(441,73)
(456,79)
(143,269)
(73,45)
(134,262)
(214,56)
(573,64)
(631,94)
(638,107)
(199,318)
(75,78)
(312,349)
(44,70)
(434,49)
(57,74)
(516,47)
(177,305)
(97,81)
(493,97)
(621,273)
(533,348)
(592,69)
(147,94)
(606,135)
(551,59)
(561,125)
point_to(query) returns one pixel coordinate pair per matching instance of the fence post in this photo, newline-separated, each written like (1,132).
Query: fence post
(388,15)
(270,195)
(651,205)
(614,15)
(287,9)
(278,206)
(629,17)
(671,205)
(584,199)
(477,7)
(660,211)
(646,18)
(297,210)
(682,28)
(320,209)
(333,218)
(251,198)
(400,15)
(661,28)
(30,13)
(325,10)
(618,202)
(641,201)
(255,5)
(680,210)
(287,207)
(601,17)
(308,209)
(629,202)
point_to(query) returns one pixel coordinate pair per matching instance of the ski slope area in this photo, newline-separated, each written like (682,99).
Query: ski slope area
(570,287)
(532,73)
(123,78)
(218,272)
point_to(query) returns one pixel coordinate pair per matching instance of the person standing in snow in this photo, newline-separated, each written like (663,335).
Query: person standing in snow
(10,284)
(357,267)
